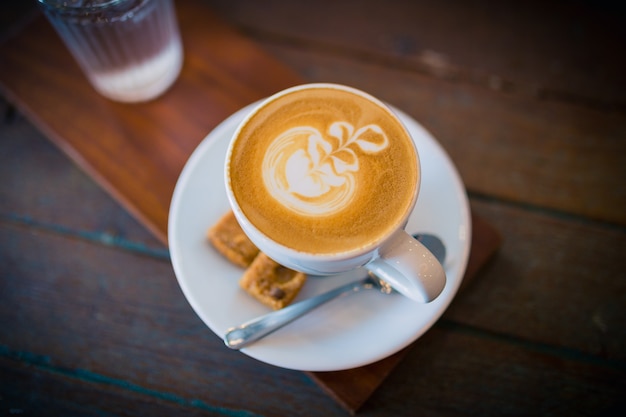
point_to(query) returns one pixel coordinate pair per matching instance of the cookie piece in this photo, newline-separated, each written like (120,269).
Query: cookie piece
(230,240)
(271,283)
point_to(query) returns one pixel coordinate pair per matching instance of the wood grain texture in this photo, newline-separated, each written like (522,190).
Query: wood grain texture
(526,98)
(555,281)
(560,50)
(222,72)
(122,319)
(351,388)
(537,124)
(38,186)
(106,339)
(463,371)
(93,317)
(556,155)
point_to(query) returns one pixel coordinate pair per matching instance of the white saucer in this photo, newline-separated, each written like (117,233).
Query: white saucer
(346,333)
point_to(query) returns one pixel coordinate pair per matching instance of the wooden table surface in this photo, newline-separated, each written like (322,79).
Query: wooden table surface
(529,101)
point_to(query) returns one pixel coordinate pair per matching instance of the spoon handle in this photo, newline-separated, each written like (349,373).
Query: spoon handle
(241,336)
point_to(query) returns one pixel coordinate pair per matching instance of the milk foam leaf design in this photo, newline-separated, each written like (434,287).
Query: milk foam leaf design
(312,174)
(328,175)
(345,160)
(371,139)
(342,131)
(318,148)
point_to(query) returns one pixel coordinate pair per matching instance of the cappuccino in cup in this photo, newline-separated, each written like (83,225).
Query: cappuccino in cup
(324,170)
(322,178)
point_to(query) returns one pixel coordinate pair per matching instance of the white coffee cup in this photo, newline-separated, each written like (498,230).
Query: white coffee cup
(354,144)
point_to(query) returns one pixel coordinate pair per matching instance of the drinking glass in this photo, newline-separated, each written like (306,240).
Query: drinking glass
(130,50)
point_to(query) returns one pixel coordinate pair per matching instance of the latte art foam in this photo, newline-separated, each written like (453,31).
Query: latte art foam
(311,172)
(323,170)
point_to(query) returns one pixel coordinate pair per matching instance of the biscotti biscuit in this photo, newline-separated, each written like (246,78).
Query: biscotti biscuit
(230,240)
(271,283)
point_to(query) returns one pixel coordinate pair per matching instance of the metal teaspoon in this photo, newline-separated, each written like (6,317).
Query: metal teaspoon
(243,335)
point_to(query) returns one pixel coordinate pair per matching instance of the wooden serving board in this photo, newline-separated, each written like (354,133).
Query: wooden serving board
(136,151)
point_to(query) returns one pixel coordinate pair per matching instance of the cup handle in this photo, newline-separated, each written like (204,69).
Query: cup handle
(409,267)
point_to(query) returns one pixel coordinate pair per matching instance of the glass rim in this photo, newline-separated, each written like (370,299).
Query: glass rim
(78,5)
(94,13)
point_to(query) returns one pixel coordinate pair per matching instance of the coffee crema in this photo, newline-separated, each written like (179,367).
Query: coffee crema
(324,170)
